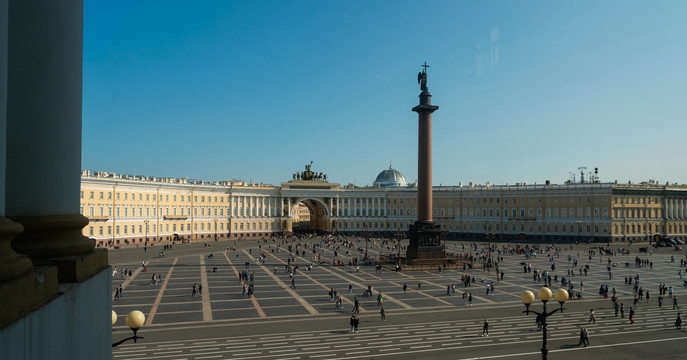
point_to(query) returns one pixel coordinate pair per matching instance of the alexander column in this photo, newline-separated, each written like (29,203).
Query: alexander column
(424,234)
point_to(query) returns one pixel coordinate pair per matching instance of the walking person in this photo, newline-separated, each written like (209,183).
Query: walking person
(195,290)
(470,298)
(356,306)
(632,314)
(379,299)
(675,303)
(678,322)
(383,313)
(293,283)
(583,339)
(592,316)
(485,327)
(200,290)
(622,310)
(405,287)
(354,323)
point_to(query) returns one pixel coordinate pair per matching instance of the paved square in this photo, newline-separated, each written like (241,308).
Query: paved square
(283,322)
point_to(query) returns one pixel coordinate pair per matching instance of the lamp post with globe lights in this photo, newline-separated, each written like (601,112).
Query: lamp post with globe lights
(544,294)
(134,320)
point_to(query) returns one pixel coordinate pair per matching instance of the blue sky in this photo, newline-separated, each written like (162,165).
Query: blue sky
(527,90)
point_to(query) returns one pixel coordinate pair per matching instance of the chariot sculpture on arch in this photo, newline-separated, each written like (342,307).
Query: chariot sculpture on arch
(308,174)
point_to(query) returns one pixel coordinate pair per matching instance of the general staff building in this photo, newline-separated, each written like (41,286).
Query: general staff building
(125,209)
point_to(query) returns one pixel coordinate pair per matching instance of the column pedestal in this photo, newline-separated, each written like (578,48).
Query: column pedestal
(57,241)
(425,243)
(12,265)
(52,236)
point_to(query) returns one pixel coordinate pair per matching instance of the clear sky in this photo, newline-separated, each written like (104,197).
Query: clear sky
(527,90)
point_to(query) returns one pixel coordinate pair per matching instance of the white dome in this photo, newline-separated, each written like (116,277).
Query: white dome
(390,178)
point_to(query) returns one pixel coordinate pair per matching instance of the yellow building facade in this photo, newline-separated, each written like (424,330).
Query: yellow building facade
(140,210)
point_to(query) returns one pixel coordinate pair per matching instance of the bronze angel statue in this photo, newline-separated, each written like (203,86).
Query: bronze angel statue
(422,80)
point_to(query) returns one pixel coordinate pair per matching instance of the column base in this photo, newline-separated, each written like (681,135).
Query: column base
(425,243)
(12,265)
(20,296)
(52,236)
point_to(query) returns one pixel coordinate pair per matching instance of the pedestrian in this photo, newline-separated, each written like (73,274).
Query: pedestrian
(116,296)
(485,327)
(616,308)
(448,290)
(470,298)
(200,290)
(293,283)
(582,341)
(632,314)
(540,321)
(350,289)
(419,285)
(678,322)
(675,303)
(383,313)
(195,290)
(356,306)
(660,301)
(405,287)
(622,310)
(379,299)
(592,316)
(120,291)
(354,323)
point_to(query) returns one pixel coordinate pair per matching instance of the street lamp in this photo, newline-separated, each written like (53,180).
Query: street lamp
(146,222)
(215,220)
(544,294)
(134,320)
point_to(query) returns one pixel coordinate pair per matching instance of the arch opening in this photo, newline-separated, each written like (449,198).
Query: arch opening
(310,216)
